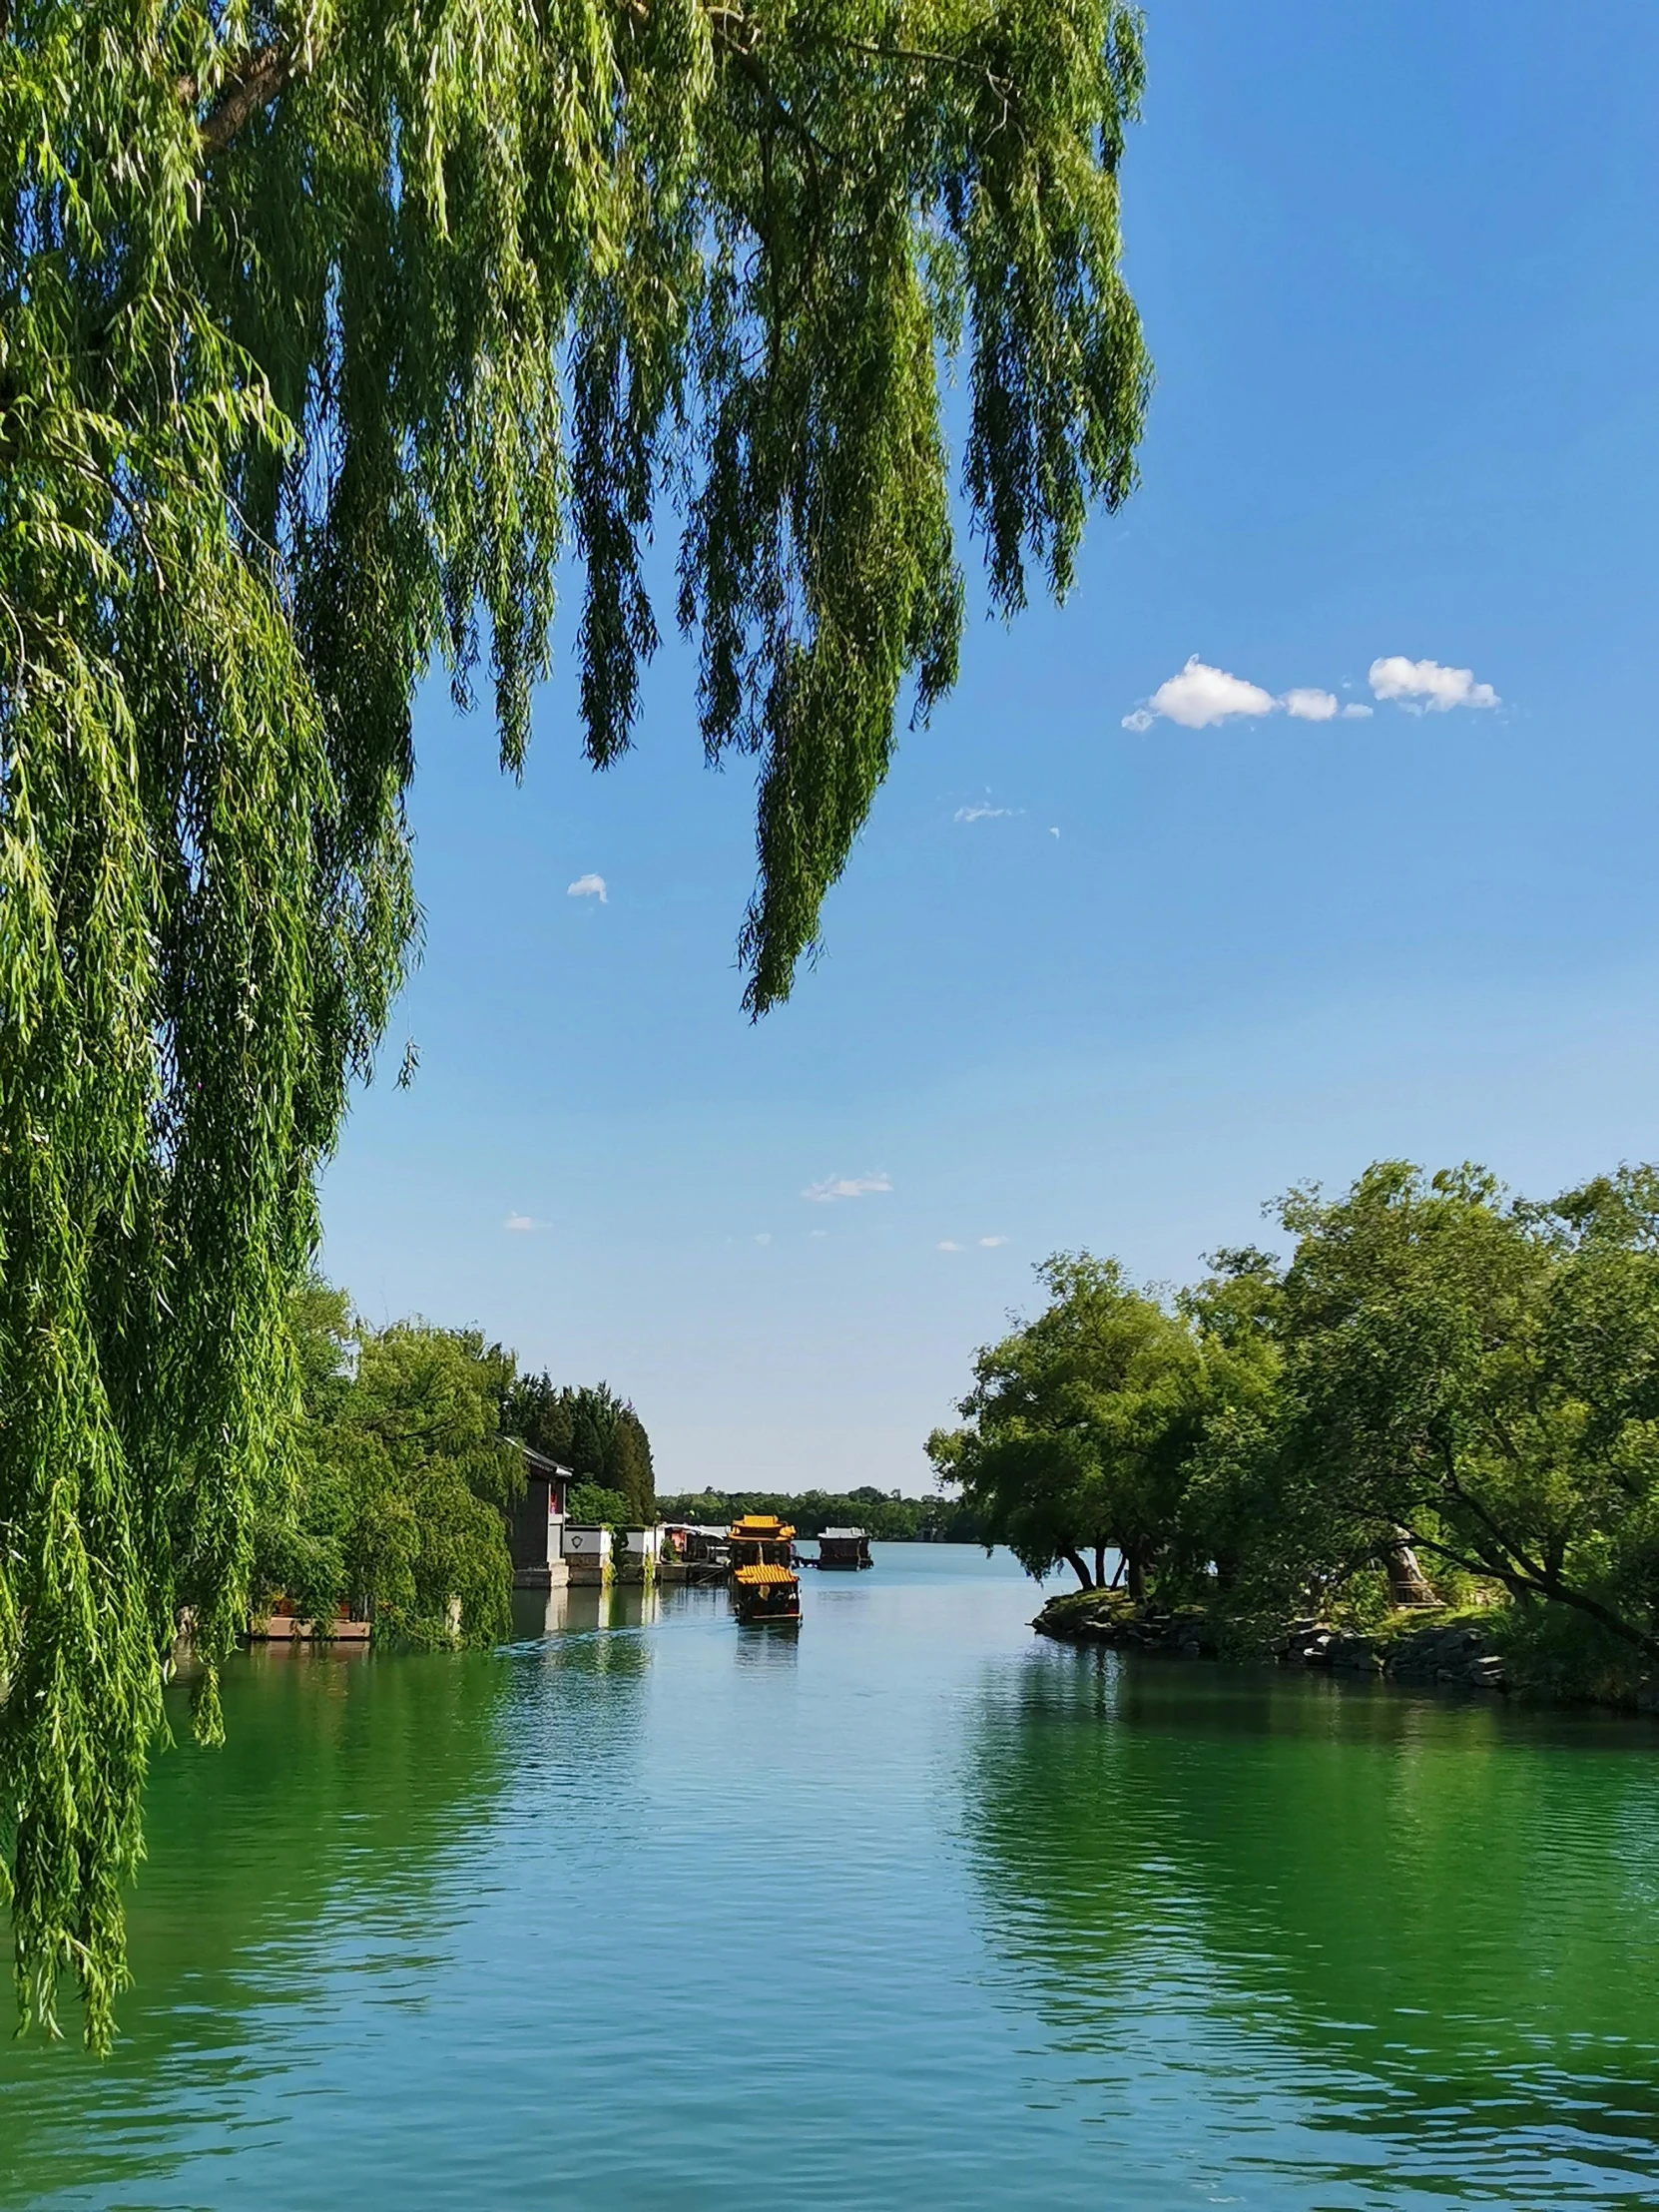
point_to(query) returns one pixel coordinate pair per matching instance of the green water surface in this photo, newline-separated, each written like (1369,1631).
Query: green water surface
(911,1910)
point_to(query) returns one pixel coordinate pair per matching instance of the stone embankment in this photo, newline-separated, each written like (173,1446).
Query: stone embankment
(1107,1617)
(1455,1653)
(1425,1648)
(1452,1653)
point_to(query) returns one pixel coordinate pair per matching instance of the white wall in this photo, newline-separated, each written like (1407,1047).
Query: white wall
(586,1543)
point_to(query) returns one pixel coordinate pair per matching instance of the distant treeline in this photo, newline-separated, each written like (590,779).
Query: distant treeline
(888,1518)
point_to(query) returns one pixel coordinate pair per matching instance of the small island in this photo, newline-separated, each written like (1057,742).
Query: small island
(1417,1447)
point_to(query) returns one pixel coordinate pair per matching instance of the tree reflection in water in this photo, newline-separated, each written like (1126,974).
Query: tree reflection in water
(1428,1923)
(312,1847)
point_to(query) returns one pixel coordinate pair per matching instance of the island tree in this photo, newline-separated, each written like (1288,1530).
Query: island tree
(1475,1377)
(1080,1427)
(325,331)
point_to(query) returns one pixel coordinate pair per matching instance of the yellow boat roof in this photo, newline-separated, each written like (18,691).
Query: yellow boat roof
(755,1578)
(765,1527)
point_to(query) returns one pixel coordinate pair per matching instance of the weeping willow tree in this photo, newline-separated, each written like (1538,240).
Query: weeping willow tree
(327,328)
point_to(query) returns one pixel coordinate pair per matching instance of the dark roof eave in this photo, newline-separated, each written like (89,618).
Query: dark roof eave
(537,1463)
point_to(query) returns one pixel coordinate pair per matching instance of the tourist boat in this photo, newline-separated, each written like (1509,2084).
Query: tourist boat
(765,1585)
(845,1547)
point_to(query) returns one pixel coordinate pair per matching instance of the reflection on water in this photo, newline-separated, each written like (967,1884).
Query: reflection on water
(767,1645)
(579,1608)
(307,1856)
(980,1923)
(1428,1925)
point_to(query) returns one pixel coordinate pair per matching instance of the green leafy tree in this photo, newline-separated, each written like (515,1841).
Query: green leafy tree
(1237,1313)
(399,1481)
(1081,1427)
(430,1398)
(1477,1377)
(591,1505)
(326,332)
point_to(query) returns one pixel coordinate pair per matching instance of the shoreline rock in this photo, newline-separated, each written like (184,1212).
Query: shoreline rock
(1433,1651)
(1111,1619)
(1456,1654)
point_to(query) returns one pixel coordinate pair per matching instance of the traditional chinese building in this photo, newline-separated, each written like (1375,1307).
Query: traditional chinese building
(535,1529)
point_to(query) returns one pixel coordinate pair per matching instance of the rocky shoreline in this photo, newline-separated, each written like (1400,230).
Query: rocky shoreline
(1456,1653)
(1420,1649)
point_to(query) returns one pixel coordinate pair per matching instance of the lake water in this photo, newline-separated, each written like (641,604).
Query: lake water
(914,1909)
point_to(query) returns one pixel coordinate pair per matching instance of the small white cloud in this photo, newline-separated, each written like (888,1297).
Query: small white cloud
(949,1244)
(1309,705)
(1054,832)
(1426,688)
(587,886)
(990,1243)
(765,1237)
(1140,719)
(817,1232)
(985,814)
(1202,695)
(1353,711)
(519,1223)
(844,1186)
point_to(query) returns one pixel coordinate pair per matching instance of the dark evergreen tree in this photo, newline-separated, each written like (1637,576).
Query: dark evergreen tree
(631,1469)
(589,1430)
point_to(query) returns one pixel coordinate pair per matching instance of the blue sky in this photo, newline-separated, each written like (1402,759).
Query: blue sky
(1399,273)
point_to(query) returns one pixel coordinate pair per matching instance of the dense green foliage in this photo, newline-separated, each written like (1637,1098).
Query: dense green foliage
(324,330)
(1479,1376)
(1440,1375)
(590,1504)
(401,1470)
(595,1433)
(888,1518)
(1082,1425)
(402,1481)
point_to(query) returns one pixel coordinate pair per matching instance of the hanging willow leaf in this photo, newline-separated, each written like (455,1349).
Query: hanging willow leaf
(326,328)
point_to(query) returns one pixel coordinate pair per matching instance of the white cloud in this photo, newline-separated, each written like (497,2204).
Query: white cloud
(1309,705)
(765,1237)
(587,886)
(1425,687)
(844,1186)
(817,1232)
(521,1221)
(985,814)
(990,1243)
(1054,832)
(1202,695)
(949,1244)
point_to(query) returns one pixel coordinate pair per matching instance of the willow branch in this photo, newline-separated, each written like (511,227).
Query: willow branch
(259,78)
